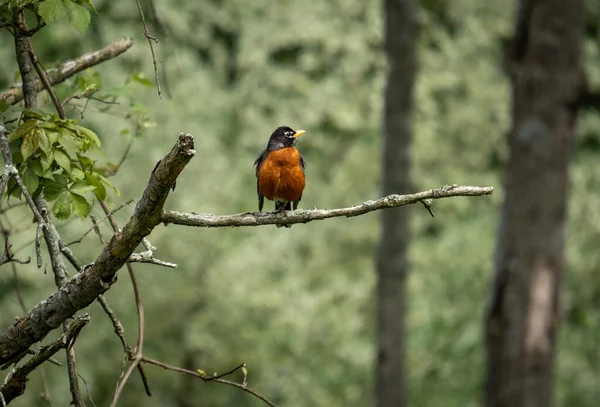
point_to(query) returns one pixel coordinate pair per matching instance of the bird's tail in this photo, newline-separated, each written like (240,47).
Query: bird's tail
(280,207)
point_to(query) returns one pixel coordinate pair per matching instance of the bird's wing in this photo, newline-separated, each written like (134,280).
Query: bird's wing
(303,166)
(261,158)
(302,163)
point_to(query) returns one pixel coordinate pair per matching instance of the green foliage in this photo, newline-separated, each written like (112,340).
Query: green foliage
(77,14)
(52,160)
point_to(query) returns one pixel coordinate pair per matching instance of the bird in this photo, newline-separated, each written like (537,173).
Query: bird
(280,171)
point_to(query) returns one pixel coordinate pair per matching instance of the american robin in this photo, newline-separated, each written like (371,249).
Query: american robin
(280,171)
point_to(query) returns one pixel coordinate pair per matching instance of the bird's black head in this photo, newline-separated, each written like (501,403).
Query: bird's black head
(284,137)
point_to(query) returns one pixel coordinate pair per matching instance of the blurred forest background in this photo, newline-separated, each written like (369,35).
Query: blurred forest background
(298,305)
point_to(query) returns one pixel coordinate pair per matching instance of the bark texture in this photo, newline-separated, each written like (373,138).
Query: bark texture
(523,312)
(400,44)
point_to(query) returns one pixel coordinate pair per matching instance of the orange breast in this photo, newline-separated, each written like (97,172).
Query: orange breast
(280,176)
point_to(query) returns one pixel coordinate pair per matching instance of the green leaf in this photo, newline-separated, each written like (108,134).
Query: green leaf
(46,160)
(107,182)
(70,142)
(141,79)
(77,174)
(86,163)
(4,106)
(82,187)
(12,189)
(52,189)
(62,207)
(100,191)
(31,142)
(62,159)
(22,130)
(31,181)
(91,137)
(52,10)
(61,180)
(36,166)
(43,142)
(80,205)
(79,16)
(89,4)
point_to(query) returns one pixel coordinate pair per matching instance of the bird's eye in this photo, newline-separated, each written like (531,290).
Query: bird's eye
(289,134)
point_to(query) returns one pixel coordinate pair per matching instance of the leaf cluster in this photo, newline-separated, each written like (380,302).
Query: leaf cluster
(76,12)
(48,152)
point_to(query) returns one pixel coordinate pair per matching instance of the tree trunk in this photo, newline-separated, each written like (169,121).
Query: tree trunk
(524,308)
(400,44)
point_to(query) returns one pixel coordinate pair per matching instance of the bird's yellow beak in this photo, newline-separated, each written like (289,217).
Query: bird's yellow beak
(299,133)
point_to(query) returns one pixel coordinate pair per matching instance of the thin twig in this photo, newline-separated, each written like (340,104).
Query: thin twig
(7,208)
(243,387)
(138,353)
(304,216)
(144,258)
(150,39)
(118,208)
(18,288)
(43,75)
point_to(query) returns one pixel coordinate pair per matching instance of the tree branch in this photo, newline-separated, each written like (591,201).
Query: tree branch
(69,68)
(304,216)
(15,382)
(206,378)
(97,278)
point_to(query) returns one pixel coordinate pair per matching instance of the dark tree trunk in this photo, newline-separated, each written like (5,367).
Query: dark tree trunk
(400,44)
(524,308)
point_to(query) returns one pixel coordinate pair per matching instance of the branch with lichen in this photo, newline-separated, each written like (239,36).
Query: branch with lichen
(206,220)
(69,68)
(95,279)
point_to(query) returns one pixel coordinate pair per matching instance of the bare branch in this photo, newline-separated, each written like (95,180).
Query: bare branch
(43,75)
(71,67)
(150,39)
(304,216)
(242,386)
(138,354)
(15,382)
(145,258)
(95,279)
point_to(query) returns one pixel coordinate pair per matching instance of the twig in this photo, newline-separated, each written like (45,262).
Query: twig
(7,208)
(118,327)
(8,257)
(144,258)
(71,67)
(43,75)
(219,376)
(18,288)
(150,39)
(15,381)
(118,208)
(138,354)
(87,390)
(243,387)
(304,216)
